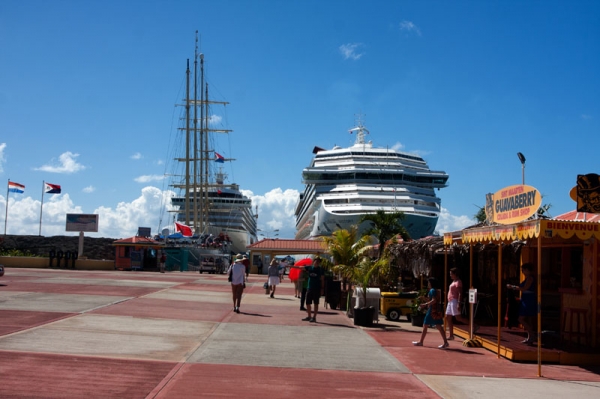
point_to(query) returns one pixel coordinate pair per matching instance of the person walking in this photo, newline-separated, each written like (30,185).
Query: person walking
(237,272)
(434,316)
(314,290)
(246,263)
(259,266)
(453,309)
(163,259)
(528,307)
(303,281)
(273,276)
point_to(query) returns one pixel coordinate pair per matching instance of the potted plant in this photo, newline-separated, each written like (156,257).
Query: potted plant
(417,315)
(361,277)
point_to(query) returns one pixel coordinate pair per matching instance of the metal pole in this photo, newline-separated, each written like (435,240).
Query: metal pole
(499,296)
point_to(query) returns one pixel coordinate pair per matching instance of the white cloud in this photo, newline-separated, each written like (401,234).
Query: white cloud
(276,210)
(149,178)
(398,147)
(66,164)
(349,51)
(408,26)
(120,222)
(89,189)
(150,209)
(136,156)
(447,222)
(2,156)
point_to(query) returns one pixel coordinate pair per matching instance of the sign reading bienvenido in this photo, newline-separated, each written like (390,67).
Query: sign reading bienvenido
(82,222)
(512,204)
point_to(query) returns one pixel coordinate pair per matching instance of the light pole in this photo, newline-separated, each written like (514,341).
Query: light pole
(522,159)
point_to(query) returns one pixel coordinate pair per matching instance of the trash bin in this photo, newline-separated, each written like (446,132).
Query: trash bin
(396,304)
(373,295)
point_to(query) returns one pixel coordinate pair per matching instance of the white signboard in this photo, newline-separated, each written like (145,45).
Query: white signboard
(473,295)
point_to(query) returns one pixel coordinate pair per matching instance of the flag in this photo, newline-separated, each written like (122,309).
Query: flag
(52,188)
(186,231)
(219,157)
(15,187)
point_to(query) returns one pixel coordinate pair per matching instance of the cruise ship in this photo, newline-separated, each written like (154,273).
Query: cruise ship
(205,202)
(343,184)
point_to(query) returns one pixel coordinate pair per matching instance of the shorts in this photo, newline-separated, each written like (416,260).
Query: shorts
(313,297)
(452,308)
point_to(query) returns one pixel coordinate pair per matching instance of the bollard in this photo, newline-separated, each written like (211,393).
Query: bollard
(51,256)
(59,256)
(67,259)
(74,256)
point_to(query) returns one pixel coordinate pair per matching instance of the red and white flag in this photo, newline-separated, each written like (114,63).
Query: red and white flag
(186,231)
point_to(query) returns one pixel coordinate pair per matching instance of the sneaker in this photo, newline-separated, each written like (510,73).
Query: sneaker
(272,295)
(417,343)
(313,320)
(237,310)
(303,309)
(307,318)
(450,338)
(444,346)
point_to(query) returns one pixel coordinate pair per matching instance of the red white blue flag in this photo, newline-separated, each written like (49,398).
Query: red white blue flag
(219,157)
(52,188)
(186,231)
(15,187)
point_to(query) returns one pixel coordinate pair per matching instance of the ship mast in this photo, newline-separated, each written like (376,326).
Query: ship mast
(195,227)
(187,144)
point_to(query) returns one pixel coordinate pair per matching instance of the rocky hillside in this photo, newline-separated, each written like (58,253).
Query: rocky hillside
(93,248)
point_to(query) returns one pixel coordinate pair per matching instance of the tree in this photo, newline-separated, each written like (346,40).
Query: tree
(480,216)
(385,226)
(346,251)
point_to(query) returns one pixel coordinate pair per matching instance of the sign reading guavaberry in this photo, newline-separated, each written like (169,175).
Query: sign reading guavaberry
(512,204)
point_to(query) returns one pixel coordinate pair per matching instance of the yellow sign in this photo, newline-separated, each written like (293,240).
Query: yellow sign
(512,204)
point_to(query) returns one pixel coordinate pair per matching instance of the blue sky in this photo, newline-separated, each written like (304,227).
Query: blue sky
(88,93)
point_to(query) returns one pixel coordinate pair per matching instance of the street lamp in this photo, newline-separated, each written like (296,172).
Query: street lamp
(522,159)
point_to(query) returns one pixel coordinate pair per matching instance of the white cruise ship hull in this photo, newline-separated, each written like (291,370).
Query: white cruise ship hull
(323,223)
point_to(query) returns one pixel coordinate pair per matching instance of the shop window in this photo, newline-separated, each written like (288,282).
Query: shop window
(574,267)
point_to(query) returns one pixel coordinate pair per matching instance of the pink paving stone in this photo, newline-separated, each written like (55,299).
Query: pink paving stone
(18,320)
(28,375)
(169,309)
(211,381)
(204,287)
(85,289)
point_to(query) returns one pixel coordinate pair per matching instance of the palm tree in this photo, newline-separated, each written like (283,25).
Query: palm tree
(385,226)
(346,251)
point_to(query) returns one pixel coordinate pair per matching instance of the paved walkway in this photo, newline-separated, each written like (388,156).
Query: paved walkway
(74,334)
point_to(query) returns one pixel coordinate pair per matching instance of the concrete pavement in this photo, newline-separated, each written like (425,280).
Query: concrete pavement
(70,334)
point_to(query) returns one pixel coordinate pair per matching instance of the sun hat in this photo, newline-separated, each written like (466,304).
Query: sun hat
(239,257)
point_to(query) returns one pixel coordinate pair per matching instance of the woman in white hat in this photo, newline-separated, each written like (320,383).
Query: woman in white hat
(237,276)
(273,274)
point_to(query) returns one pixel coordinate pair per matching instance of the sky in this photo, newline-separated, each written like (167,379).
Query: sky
(88,95)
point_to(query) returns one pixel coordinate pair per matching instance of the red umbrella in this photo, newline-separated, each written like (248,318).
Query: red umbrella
(295,273)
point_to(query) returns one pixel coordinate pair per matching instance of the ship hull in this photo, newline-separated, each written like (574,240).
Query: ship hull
(324,223)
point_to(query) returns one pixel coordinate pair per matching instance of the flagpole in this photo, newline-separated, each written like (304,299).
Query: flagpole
(42,205)
(6,215)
